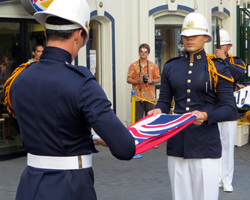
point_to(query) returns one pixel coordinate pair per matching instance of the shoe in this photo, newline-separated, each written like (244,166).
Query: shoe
(228,188)
(220,184)
(137,156)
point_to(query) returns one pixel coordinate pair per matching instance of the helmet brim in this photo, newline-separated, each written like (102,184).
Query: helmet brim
(193,32)
(224,43)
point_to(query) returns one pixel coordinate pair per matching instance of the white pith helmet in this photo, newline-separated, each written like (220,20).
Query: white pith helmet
(224,38)
(195,24)
(77,12)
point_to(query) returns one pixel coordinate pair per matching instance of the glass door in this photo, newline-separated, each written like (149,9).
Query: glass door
(17,37)
(168,42)
(10,57)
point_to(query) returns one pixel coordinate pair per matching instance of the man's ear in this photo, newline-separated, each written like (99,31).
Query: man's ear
(78,34)
(206,38)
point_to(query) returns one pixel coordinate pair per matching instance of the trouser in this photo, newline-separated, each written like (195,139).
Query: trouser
(227,135)
(194,179)
(142,108)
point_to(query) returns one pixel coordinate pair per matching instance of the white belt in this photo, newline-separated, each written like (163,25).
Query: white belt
(59,162)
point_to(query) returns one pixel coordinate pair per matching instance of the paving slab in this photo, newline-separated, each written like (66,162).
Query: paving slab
(143,178)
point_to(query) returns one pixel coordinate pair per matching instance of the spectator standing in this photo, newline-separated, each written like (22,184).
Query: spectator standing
(143,75)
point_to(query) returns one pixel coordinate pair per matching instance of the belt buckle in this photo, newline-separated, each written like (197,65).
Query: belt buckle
(80,162)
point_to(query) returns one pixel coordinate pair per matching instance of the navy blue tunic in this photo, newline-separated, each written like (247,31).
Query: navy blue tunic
(237,73)
(56,104)
(190,86)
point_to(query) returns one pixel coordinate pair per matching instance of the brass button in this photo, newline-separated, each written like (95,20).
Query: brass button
(186,55)
(191,64)
(188,81)
(188,100)
(190,72)
(198,57)
(188,90)
(187,108)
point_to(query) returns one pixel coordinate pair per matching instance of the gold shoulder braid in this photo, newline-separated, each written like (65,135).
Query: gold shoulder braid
(232,62)
(213,71)
(8,83)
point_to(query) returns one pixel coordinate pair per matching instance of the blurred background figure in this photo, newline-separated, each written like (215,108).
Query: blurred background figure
(37,51)
(4,61)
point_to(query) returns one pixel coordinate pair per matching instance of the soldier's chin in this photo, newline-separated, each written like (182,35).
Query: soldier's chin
(193,50)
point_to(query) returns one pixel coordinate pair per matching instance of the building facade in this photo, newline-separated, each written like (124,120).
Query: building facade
(118,27)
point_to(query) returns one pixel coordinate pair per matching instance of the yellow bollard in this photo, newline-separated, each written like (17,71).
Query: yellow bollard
(133,107)
(133,116)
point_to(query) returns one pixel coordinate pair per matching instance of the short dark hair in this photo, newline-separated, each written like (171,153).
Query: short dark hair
(60,35)
(144,45)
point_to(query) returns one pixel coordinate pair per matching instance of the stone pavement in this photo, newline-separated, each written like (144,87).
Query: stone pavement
(139,179)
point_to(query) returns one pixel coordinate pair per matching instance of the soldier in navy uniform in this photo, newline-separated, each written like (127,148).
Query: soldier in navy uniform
(196,81)
(228,128)
(56,104)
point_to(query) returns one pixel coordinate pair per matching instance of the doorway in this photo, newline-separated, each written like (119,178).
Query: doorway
(168,42)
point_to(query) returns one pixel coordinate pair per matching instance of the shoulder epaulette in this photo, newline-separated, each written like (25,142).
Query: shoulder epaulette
(213,71)
(8,84)
(175,58)
(232,62)
(84,71)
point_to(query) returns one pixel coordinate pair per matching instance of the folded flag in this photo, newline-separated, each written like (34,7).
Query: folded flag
(151,131)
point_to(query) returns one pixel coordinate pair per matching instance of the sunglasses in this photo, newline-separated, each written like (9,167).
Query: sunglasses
(144,50)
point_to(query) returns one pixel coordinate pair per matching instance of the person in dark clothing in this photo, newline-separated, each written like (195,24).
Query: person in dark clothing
(196,81)
(55,105)
(228,128)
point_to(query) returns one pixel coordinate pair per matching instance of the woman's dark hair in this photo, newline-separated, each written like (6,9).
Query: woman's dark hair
(60,35)
(35,46)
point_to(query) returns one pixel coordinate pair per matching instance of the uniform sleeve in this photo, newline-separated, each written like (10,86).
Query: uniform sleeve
(225,98)
(236,72)
(95,107)
(166,94)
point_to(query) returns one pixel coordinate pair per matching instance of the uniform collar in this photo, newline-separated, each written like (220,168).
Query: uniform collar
(56,53)
(197,57)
